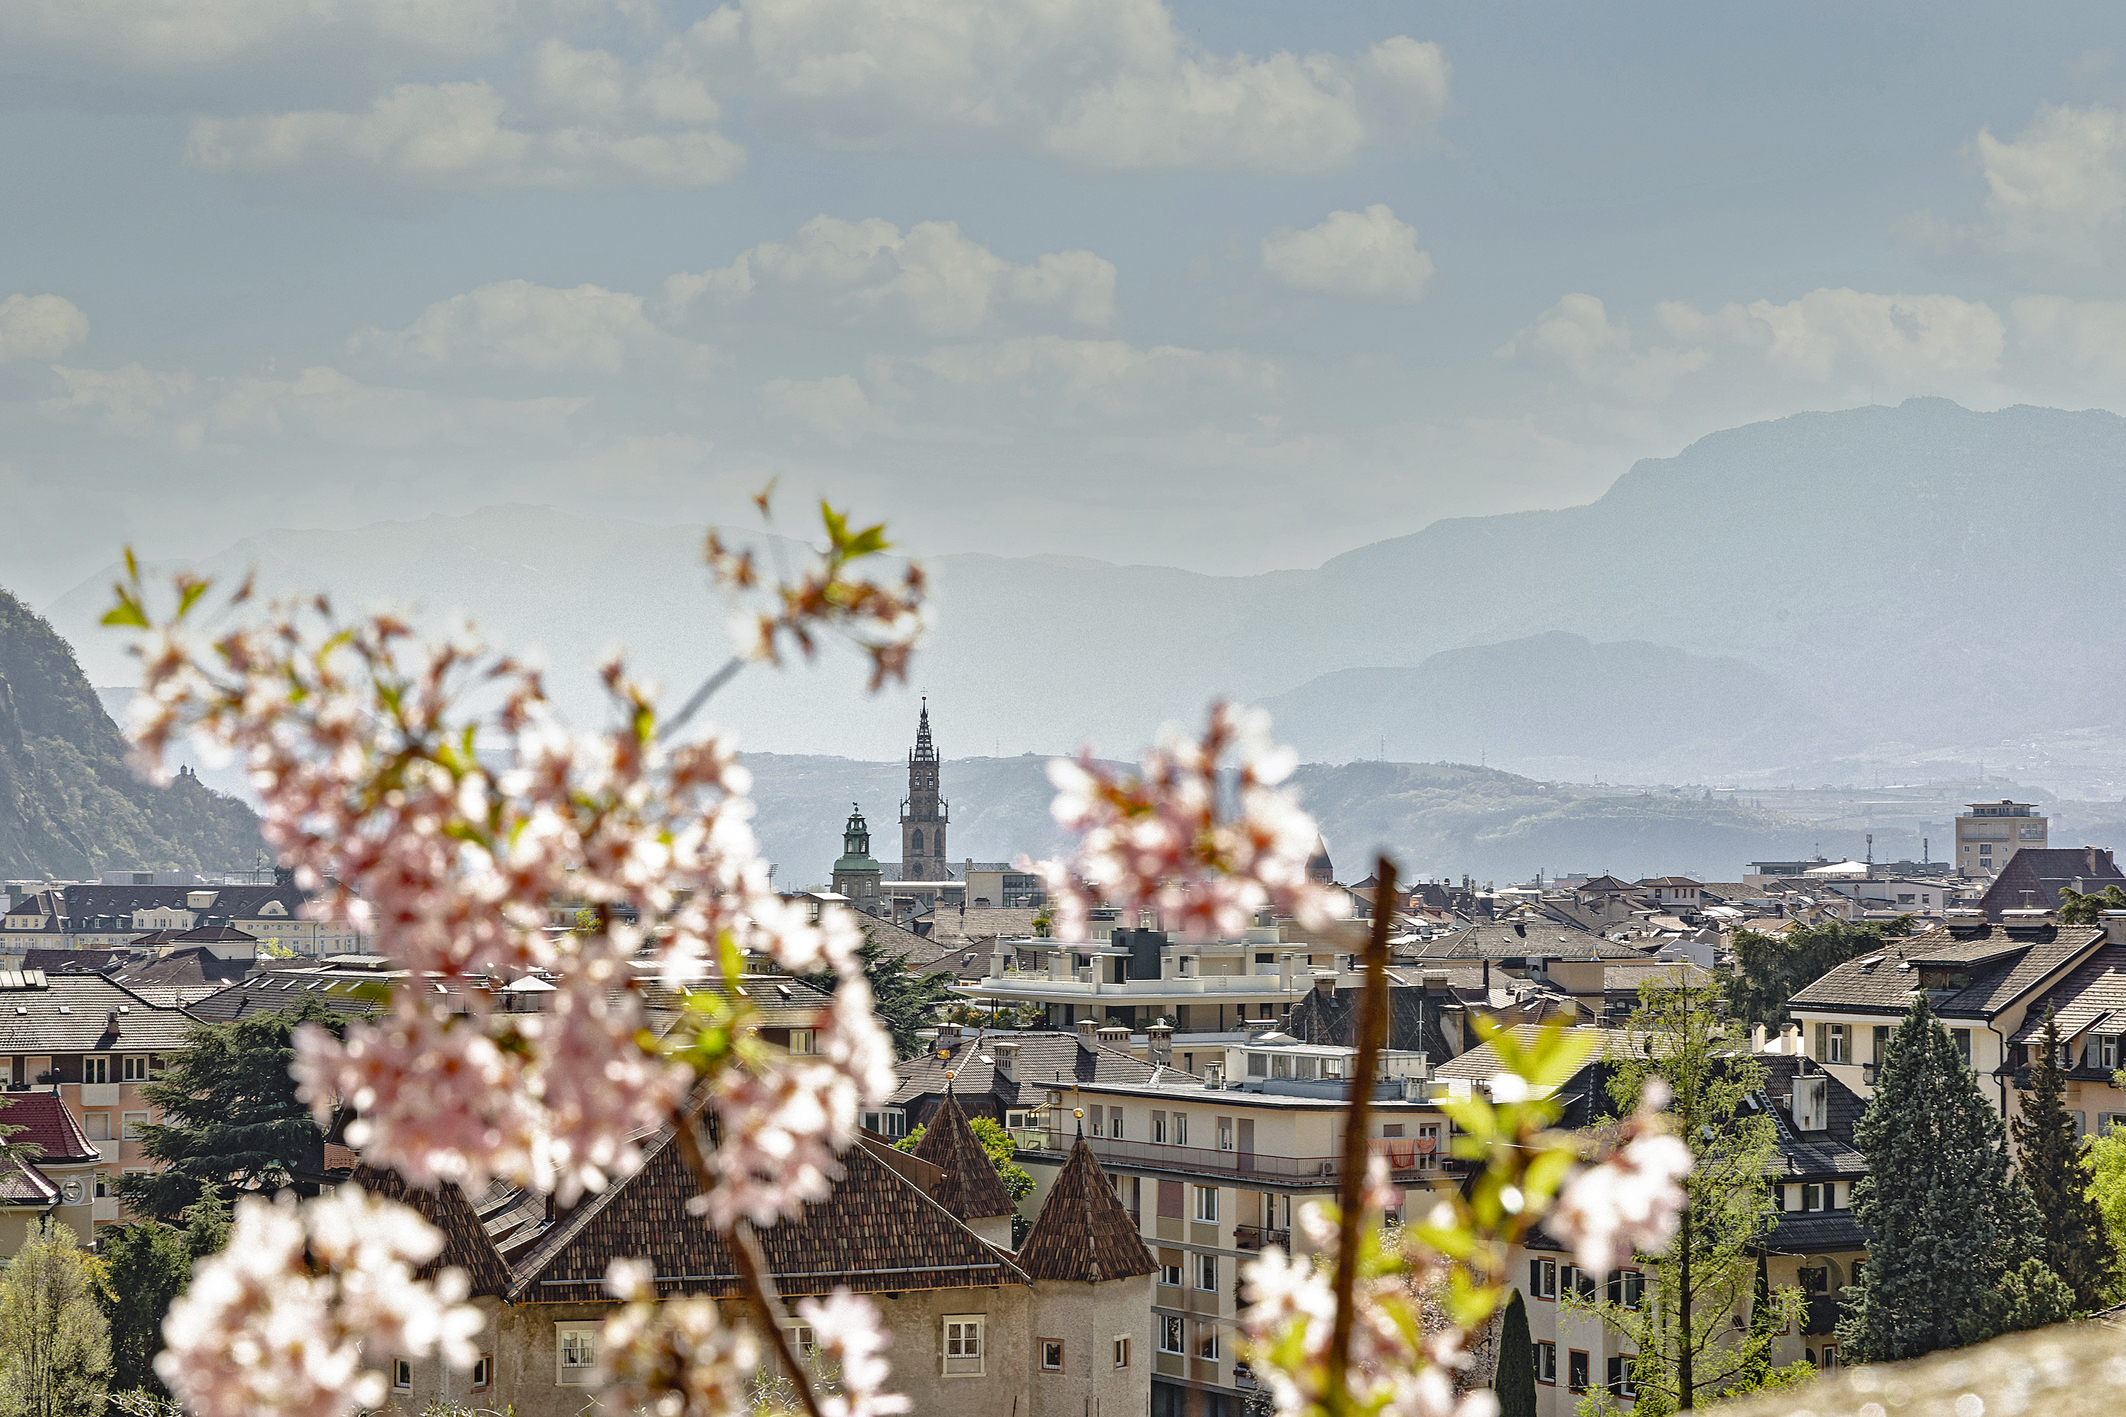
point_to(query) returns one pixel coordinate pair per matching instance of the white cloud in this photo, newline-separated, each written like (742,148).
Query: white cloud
(1578,334)
(2084,338)
(837,407)
(932,278)
(174,35)
(465,138)
(320,405)
(1366,254)
(515,324)
(1883,343)
(40,326)
(1109,84)
(2057,191)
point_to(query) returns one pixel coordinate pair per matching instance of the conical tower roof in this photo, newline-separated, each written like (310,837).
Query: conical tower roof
(1083,1232)
(970,1187)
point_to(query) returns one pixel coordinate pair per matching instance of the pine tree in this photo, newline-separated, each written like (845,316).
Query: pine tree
(147,1265)
(55,1347)
(1514,1382)
(1947,1219)
(2076,1246)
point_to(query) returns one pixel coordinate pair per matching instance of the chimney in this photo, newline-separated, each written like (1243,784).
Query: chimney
(1088,1032)
(1757,1038)
(1114,1036)
(1214,1075)
(1287,962)
(1790,1040)
(1159,1045)
(1007,1056)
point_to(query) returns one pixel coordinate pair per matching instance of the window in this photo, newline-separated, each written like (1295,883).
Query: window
(401,1375)
(963,1345)
(1303,1067)
(1620,1377)
(103,1185)
(1180,1129)
(1225,1133)
(1962,1037)
(1834,1041)
(1576,1370)
(1159,1127)
(1281,1066)
(1627,1287)
(134,1067)
(1332,1067)
(134,1121)
(1170,1267)
(1207,1342)
(1019,1119)
(578,1355)
(802,1339)
(1121,1350)
(1114,1123)
(1258,1065)
(1098,1115)
(98,1124)
(1207,1273)
(2106,1048)
(1830,1357)
(1207,1203)
(1051,1355)
(894,1122)
(483,1372)
(1546,1363)
(1169,1326)
(1543,1279)
(1882,1042)
(804,1040)
(1812,1196)
(1170,1200)
(1574,1280)
(97,1069)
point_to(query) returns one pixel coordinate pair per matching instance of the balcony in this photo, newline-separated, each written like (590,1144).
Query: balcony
(1407,1158)
(99,1094)
(1256,1237)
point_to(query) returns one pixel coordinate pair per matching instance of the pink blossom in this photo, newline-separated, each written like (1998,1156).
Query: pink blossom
(846,1329)
(281,1319)
(1627,1205)
(673,1357)
(1163,840)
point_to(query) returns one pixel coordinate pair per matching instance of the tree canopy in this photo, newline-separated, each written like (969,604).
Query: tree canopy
(2076,1245)
(999,1146)
(1514,1382)
(230,1113)
(1771,969)
(2076,908)
(903,999)
(1948,1221)
(55,1347)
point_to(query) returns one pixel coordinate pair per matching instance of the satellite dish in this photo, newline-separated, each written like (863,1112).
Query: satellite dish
(72,1191)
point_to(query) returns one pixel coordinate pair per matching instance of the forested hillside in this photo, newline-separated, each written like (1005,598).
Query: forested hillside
(69,806)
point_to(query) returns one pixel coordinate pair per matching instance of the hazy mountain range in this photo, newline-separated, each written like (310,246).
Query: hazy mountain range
(1900,584)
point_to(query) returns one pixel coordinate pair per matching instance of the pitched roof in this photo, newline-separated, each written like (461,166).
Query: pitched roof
(182,975)
(2033,878)
(1046,1057)
(1816,1233)
(465,1242)
(1829,1152)
(1523,939)
(21,1183)
(2092,993)
(47,1125)
(272,994)
(71,1013)
(2003,964)
(875,1231)
(1413,1018)
(956,929)
(1083,1232)
(968,1184)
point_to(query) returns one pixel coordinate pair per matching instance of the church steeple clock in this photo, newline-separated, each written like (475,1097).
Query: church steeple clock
(924,815)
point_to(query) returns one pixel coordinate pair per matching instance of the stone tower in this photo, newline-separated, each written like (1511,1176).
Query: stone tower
(924,814)
(856,875)
(1092,1287)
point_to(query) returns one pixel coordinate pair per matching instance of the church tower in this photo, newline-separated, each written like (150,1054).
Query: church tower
(856,875)
(924,813)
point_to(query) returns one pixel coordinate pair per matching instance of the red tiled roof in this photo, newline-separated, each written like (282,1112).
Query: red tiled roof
(21,1183)
(969,1186)
(46,1125)
(1083,1232)
(876,1231)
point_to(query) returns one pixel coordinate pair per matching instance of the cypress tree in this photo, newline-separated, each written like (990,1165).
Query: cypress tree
(1514,1382)
(1946,1218)
(2074,1242)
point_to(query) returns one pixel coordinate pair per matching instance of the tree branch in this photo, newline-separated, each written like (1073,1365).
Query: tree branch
(1351,1184)
(701,695)
(760,1296)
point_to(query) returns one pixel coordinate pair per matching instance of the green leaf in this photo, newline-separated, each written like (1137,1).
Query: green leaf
(189,593)
(126,612)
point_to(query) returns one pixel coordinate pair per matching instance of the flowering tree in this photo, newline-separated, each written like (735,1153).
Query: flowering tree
(447,833)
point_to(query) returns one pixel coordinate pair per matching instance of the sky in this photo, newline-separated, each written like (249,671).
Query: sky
(1226,286)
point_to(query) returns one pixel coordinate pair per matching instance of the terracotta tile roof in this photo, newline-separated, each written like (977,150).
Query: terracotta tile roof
(21,1183)
(2004,965)
(2033,878)
(465,1242)
(876,1231)
(1083,1232)
(47,1125)
(2091,994)
(968,1184)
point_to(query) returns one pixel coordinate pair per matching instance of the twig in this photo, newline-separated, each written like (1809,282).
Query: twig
(760,1296)
(1351,1185)
(701,695)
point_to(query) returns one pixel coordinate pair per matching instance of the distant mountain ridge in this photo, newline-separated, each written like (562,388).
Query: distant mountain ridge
(1877,576)
(69,806)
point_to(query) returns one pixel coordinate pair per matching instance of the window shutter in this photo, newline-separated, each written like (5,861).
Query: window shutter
(1822,1034)
(1535,1279)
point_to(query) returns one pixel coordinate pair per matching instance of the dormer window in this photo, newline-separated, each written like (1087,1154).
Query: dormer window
(1944,979)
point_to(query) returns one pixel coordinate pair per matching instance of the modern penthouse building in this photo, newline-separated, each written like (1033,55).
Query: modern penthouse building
(1989,833)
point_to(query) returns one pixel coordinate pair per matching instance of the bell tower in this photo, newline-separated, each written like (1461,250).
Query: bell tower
(924,814)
